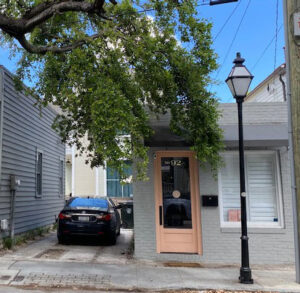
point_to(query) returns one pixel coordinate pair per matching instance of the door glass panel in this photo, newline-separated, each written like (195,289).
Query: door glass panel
(176,192)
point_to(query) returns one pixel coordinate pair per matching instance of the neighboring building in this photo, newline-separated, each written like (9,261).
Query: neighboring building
(185,214)
(31,151)
(82,180)
(272,89)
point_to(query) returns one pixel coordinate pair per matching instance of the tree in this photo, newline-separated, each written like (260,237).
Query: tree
(107,65)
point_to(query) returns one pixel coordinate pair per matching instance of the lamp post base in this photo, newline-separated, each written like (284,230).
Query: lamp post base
(245,276)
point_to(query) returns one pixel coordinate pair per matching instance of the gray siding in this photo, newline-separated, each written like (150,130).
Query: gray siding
(24,131)
(220,245)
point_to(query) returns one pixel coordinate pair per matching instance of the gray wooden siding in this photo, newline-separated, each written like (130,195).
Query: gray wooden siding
(24,132)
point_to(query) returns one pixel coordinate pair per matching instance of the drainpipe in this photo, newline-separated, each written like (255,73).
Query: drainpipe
(291,152)
(283,86)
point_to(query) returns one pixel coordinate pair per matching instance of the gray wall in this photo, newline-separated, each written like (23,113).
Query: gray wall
(220,245)
(24,131)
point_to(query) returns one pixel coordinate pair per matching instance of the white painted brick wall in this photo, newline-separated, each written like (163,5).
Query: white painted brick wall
(266,246)
(254,113)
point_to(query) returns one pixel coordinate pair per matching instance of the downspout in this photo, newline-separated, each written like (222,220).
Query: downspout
(291,152)
(283,87)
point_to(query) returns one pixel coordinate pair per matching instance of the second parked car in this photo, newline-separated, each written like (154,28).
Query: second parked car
(89,217)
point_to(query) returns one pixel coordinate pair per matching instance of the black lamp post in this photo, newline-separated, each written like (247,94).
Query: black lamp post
(238,82)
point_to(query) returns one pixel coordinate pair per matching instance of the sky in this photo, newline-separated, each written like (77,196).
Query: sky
(246,26)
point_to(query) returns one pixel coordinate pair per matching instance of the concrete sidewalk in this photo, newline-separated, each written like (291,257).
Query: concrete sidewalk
(138,276)
(46,265)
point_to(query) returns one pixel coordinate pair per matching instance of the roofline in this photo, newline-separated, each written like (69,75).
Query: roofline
(50,106)
(279,70)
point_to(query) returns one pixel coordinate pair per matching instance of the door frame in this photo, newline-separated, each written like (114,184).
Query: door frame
(195,194)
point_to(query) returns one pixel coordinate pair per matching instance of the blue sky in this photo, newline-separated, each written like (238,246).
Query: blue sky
(253,35)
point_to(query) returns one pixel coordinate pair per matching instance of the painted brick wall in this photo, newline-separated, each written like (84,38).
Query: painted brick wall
(220,245)
(254,113)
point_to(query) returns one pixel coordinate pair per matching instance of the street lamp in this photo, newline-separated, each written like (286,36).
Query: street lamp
(238,81)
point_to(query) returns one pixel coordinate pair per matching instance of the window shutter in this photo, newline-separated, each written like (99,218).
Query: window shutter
(230,187)
(261,188)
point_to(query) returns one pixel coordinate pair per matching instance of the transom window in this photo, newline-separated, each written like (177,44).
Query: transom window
(116,187)
(262,189)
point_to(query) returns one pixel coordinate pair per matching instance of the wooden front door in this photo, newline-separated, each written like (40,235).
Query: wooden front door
(178,226)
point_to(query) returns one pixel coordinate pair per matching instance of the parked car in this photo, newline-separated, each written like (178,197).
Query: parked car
(89,217)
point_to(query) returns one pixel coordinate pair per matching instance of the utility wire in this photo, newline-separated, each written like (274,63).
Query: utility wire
(276,36)
(266,48)
(227,20)
(234,37)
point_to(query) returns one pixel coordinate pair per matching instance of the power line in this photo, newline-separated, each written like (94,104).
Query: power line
(229,17)
(276,36)
(266,48)
(234,37)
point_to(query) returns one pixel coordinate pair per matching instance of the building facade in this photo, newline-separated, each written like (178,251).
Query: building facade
(31,156)
(184,213)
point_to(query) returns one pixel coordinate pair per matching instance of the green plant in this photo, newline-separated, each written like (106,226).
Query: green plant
(7,242)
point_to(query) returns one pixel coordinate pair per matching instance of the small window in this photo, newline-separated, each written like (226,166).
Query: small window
(114,184)
(39,173)
(262,189)
(61,177)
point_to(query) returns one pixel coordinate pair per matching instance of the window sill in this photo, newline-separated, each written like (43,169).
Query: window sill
(255,230)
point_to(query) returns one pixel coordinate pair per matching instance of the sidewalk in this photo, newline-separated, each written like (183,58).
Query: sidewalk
(48,266)
(139,277)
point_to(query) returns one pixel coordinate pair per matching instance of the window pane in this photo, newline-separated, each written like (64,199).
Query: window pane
(231,188)
(38,184)
(114,188)
(127,190)
(176,192)
(112,173)
(39,175)
(262,188)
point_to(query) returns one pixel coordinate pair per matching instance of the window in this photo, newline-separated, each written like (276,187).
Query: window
(61,177)
(39,173)
(114,184)
(262,189)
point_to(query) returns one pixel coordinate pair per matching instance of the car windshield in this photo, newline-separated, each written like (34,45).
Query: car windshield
(91,203)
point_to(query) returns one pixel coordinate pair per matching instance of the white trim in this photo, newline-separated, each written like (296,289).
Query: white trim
(97,181)
(61,160)
(73,171)
(104,179)
(279,200)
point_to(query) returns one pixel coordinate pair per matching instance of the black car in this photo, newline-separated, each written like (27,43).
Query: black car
(89,217)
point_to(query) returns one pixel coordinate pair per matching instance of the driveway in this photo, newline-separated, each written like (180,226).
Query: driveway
(87,251)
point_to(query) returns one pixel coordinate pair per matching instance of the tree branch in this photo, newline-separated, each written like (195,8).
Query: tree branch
(54,49)
(37,15)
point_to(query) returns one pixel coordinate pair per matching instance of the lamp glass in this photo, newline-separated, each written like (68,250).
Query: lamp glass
(241,85)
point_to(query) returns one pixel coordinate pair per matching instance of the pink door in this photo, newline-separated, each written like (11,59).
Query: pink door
(177,202)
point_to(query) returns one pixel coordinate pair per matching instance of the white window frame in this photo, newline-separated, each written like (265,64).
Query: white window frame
(279,199)
(61,176)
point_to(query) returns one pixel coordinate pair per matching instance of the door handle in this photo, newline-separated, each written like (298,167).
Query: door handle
(160,215)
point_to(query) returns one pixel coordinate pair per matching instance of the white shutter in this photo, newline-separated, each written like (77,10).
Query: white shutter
(230,185)
(261,188)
